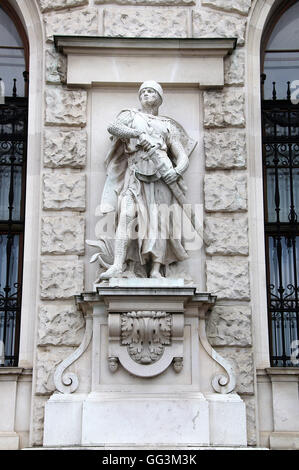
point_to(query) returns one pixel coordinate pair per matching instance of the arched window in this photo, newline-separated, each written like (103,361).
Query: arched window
(13,151)
(280,129)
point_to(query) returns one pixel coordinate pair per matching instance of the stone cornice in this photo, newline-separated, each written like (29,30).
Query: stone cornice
(108,45)
(114,61)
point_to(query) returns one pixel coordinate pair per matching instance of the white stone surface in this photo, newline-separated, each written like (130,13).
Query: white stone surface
(47,5)
(64,191)
(142,22)
(65,107)
(228,278)
(60,324)
(148,2)
(55,66)
(284,440)
(225,148)
(65,148)
(61,279)
(225,192)
(63,420)
(76,22)
(131,60)
(234,67)
(165,419)
(227,420)
(285,403)
(63,234)
(229,326)
(224,108)
(9,441)
(251,419)
(211,24)
(37,425)
(47,359)
(227,234)
(238,6)
(140,282)
(242,362)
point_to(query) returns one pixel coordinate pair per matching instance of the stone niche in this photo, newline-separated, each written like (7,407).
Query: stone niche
(154,377)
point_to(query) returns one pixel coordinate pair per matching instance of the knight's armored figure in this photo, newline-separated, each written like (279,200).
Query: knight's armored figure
(145,166)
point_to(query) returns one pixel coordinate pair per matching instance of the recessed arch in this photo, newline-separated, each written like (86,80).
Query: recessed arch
(260,26)
(30,17)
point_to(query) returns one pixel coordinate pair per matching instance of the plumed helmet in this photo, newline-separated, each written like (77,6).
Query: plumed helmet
(154,85)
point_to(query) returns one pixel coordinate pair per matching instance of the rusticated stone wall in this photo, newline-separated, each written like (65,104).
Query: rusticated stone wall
(65,146)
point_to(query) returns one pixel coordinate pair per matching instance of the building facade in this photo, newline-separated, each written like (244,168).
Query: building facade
(236,95)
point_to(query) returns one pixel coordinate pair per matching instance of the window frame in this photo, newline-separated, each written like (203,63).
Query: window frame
(283,229)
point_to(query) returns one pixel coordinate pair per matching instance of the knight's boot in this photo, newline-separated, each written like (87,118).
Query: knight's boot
(117,268)
(155,271)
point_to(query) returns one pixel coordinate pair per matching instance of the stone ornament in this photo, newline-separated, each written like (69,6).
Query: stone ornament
(145,174)
(146,334)
(146,342)
(68,382)
(221,383)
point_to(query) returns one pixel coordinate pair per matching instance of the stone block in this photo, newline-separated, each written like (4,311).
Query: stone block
(230,326)
(61,279)
(211,24)
(75,22)
(65,107)
(47,360)
(63,419)
(64,191)
(225,148)
(228,278)
(56,67)
(142,22)
(63,235)
(251,420)
(236,6)
(60,324)
(224,108)
(48,5)
(37,428)
(242,363)
(225,192)
(234,67)
(227,420)
(227,235)
(65,148)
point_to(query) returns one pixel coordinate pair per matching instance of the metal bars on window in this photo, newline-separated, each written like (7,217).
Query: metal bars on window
(280,125)
(13,154)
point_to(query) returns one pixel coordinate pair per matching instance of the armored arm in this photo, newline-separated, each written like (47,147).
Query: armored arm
(121,126)
(181,157)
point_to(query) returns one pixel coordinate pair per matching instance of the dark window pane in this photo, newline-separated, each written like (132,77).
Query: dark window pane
(285,34)
(12,61)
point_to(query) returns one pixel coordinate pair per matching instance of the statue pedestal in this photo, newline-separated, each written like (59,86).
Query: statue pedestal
(155,379)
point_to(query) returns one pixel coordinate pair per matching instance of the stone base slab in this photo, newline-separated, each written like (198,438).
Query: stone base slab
(284,440)
(145,420)
(227,420)
(9,441)
(101,420)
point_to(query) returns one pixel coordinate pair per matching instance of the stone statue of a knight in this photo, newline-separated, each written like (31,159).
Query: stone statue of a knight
(145,168)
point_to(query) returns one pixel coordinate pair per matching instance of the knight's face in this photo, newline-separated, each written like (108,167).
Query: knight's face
(149,97)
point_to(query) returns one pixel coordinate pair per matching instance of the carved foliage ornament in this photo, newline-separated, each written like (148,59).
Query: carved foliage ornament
(146,333)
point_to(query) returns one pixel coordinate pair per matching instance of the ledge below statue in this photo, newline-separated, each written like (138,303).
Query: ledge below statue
(154,377)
